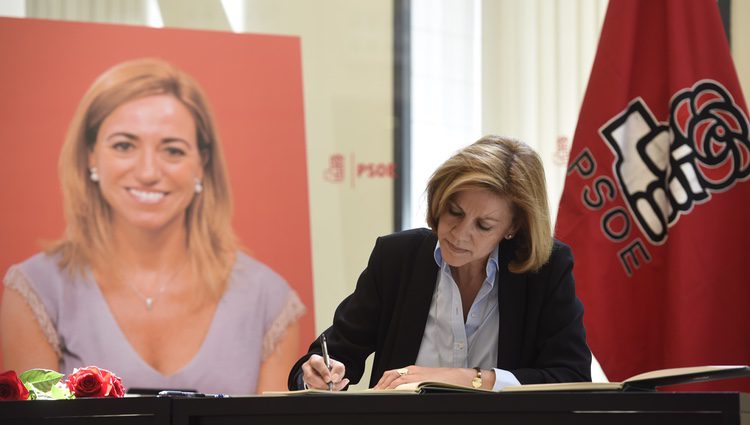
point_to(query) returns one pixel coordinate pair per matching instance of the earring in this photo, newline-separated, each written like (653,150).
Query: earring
(198,186)
(93,174)
(509,236)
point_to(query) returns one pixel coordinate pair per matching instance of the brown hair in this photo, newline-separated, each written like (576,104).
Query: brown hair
(211,243)
(514,171)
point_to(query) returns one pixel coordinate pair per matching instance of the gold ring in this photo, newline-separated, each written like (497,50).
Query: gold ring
(403,371)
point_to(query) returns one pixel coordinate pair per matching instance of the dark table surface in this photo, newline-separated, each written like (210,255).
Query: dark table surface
(725,408)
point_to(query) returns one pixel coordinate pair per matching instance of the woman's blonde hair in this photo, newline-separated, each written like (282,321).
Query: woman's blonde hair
(211,242)
(514,171)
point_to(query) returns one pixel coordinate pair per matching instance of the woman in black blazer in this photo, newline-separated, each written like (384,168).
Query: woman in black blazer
(485,299)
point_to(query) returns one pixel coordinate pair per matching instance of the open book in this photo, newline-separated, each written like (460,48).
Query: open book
(648,381)
(420,387)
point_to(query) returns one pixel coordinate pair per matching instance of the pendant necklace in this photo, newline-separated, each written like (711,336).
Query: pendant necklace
(149,300)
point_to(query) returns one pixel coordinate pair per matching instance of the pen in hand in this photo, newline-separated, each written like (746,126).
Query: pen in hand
(327,359)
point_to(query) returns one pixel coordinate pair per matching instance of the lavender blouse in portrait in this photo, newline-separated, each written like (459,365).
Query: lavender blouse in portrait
(256,308)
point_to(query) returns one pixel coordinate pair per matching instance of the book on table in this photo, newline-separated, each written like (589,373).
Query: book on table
(648,381)
(418,387)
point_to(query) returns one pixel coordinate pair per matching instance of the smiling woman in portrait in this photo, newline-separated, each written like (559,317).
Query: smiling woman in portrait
(148,280)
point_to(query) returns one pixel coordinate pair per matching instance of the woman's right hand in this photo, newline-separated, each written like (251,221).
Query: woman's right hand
(315,374)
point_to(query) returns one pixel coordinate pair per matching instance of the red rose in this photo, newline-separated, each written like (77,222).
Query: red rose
(11,388)
(89,382)
(118,390)
(95,382)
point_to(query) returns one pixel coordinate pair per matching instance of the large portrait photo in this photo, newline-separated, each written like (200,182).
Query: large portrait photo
(156,214)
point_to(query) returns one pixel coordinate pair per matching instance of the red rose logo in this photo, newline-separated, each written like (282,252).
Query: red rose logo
(11,388)
(707,119)
(94,382)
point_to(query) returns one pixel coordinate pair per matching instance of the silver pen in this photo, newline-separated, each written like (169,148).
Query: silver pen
(326,358)
(170,393)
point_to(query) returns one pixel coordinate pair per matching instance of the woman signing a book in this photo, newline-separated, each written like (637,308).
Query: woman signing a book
(485,298)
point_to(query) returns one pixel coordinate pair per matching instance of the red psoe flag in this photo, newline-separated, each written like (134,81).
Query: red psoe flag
(656,202)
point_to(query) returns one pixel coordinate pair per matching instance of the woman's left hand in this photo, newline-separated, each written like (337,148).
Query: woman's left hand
(395,377)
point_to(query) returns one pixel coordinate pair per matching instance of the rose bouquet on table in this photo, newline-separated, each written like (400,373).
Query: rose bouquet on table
(44,384)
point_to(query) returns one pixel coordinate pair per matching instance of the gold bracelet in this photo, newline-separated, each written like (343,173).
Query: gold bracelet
(477,381)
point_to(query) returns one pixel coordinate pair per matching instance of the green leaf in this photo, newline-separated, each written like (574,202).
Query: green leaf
(40,380)
(60,392)
(39,395)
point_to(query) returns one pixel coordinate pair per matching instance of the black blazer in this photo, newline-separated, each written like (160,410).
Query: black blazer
(542,338)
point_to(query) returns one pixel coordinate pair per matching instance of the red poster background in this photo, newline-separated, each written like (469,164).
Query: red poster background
(253,83)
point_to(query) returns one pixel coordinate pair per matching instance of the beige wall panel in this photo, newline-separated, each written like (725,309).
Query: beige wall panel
(347,68)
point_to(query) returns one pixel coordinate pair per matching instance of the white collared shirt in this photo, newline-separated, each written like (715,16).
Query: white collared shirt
(448,341)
